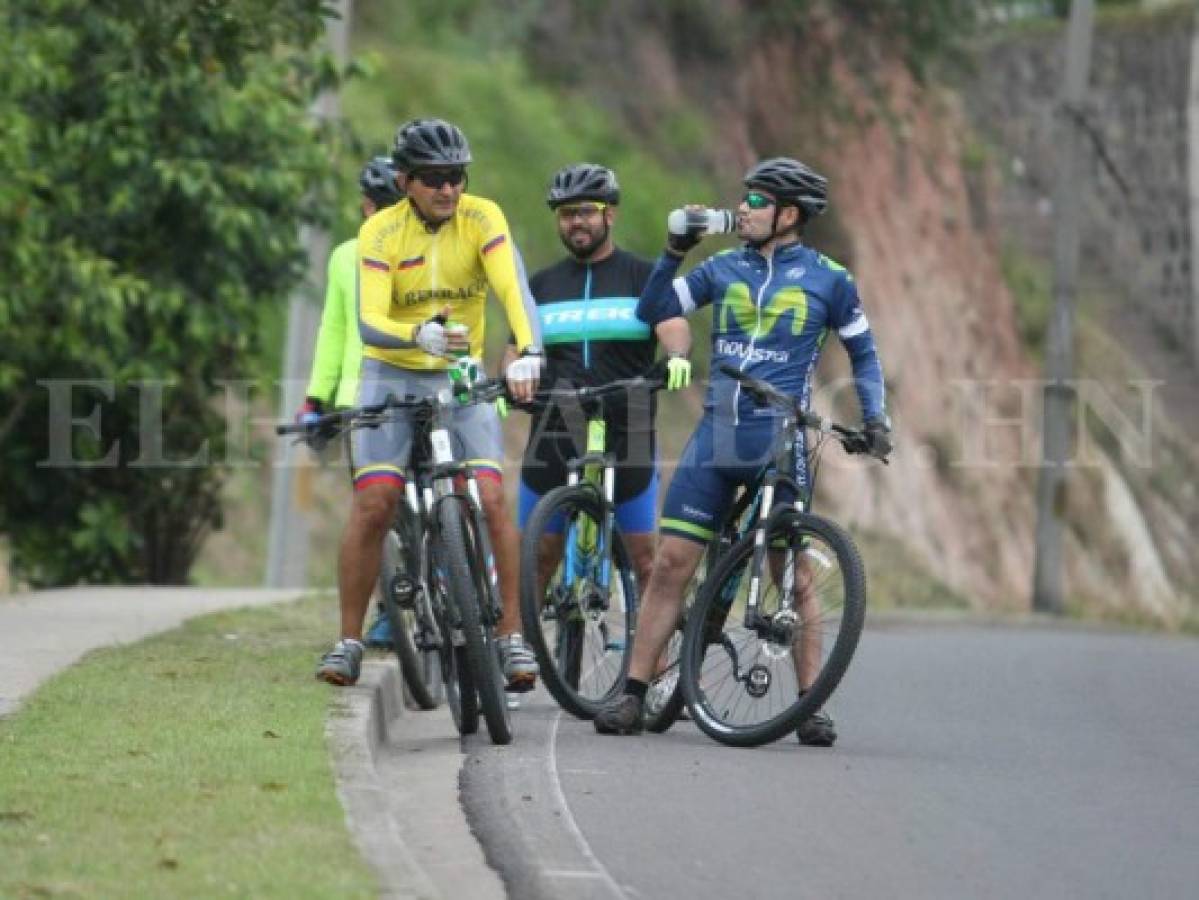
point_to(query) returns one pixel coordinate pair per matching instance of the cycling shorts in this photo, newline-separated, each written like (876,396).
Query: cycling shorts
(633,516)
(720,457)
(381,454)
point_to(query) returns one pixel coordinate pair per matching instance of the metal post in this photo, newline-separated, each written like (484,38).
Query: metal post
(1193,166)
(287,551)
(1059,355)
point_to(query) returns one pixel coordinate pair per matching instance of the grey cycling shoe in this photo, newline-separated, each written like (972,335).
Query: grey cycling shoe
(343,664)
(624,715)
(817,730)
(518,663)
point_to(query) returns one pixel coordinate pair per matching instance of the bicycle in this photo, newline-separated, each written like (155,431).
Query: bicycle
(581,621)
(440,534)
(753,663)
(664,703)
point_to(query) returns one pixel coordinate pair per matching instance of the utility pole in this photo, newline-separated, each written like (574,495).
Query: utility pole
(287,551)
(1193,167)
(1059,355)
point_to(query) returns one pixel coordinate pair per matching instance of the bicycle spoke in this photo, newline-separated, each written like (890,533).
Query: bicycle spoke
(747,684)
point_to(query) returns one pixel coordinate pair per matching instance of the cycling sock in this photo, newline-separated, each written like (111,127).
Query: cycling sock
(635,688)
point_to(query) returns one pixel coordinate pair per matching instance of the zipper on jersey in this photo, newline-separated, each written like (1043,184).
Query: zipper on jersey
(586,306)
(757,327)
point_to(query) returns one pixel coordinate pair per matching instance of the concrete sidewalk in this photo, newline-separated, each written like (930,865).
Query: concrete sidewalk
(45,631)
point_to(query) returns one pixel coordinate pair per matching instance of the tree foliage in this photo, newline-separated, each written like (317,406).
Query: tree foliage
(157,162)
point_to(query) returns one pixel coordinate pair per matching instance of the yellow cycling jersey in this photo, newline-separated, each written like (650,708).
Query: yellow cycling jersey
(407,274)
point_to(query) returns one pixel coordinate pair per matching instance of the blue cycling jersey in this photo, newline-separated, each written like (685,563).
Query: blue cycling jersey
(770,319)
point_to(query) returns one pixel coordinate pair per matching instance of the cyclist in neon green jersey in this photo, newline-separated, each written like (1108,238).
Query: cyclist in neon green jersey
(338,354)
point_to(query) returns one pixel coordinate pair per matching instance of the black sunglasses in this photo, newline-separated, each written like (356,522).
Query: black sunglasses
(436,179)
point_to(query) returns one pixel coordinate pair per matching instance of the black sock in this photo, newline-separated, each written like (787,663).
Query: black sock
(635,688)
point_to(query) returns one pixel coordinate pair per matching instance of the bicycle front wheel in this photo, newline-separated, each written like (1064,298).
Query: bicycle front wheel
(398,585)
(581,621)
(743,680)
(454,666)
(471,588)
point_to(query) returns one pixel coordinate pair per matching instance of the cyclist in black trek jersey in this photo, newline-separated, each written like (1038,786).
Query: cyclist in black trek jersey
(587,306)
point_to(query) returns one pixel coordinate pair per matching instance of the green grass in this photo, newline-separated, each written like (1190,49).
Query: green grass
(193,764)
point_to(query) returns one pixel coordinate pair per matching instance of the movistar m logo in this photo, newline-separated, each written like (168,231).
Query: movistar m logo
(738,307)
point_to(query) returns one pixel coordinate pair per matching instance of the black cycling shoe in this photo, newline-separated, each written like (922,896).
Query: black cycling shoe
(623,715)
(817,730)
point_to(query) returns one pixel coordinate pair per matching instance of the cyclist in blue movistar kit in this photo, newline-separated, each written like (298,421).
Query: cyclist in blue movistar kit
(774,303)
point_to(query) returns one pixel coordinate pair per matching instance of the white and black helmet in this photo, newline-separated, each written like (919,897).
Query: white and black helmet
(583,181)
(791,182)
(429,143)
(378,182)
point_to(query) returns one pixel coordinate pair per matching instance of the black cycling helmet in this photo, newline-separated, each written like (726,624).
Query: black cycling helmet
(791,182)
(428,143)
(583,181)
(378,182)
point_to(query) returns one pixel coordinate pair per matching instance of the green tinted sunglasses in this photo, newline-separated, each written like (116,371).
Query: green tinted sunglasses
(755,200)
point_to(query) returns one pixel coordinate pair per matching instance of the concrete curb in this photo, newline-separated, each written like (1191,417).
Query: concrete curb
(397,773)
(360,719)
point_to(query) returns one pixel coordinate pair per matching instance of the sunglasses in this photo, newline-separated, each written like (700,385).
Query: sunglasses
(437,179)
(581,210)
(755,200)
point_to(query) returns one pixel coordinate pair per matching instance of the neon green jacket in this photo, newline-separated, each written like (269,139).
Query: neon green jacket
(338,346)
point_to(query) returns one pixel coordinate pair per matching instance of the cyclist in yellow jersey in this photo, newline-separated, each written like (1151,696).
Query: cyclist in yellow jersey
(338,354)
(426,260)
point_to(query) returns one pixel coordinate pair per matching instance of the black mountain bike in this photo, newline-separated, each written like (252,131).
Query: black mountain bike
(441,586)
(581,621)
(775,625)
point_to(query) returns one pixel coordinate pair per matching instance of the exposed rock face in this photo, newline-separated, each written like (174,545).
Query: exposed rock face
(919,221)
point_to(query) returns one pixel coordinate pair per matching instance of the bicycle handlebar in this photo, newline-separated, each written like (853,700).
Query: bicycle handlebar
(584,395)
(485,391)
(852,439)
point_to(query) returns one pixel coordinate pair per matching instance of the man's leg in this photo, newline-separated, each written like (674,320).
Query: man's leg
(358,568)
(641,553)
(518,661)
(677,561)
(505,543)
(371,514)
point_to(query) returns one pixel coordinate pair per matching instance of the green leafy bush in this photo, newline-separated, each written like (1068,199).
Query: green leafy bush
(157,162)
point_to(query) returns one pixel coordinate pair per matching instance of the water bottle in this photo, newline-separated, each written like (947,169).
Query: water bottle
(715,221)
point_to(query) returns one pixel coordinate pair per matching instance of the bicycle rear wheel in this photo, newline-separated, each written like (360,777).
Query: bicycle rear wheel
(471,587)
(459,684)
(742,684)
(580,629)
(398,583)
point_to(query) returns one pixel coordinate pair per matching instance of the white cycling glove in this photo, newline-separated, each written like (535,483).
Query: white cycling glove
(430,337)
(526,367)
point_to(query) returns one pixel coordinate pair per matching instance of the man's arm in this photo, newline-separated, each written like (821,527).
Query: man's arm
(674,335)
(373,285)
(667,295)
(854,331)
(330,338)
(506,274)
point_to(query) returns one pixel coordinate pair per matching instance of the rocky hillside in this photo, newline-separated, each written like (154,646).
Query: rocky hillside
(921,219)
(681,98)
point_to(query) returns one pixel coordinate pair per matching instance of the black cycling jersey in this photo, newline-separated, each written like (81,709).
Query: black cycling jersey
(592,336)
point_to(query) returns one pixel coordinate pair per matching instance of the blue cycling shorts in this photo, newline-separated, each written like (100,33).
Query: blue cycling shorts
(719,458)
(634,516)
